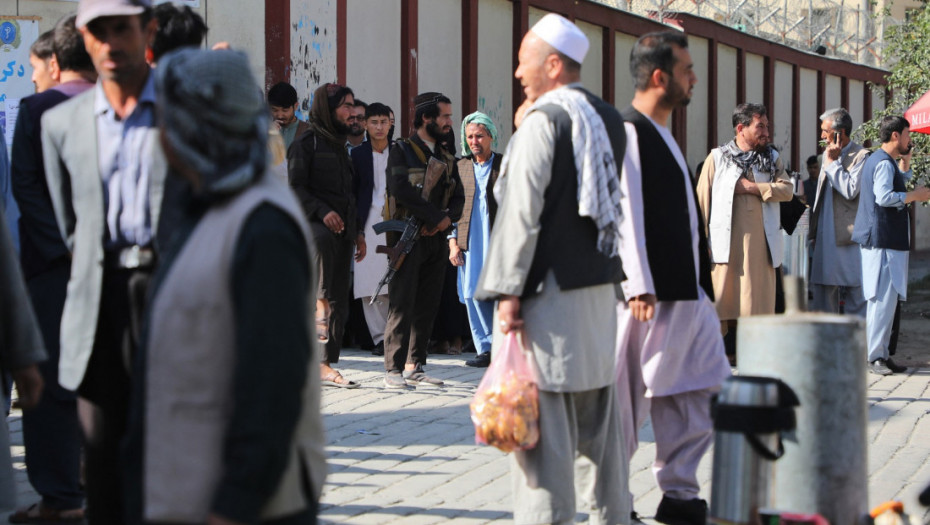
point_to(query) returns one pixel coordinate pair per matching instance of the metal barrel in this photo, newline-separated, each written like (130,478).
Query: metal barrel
(822,357)
(750,413)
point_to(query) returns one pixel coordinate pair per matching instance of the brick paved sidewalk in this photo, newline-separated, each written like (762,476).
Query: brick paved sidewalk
(409,456)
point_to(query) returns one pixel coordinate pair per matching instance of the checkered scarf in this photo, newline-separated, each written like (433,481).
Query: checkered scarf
(598,181)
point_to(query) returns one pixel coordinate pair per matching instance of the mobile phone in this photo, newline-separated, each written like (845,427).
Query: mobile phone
(836,137)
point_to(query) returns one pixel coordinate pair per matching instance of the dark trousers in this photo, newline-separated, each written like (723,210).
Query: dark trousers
(103,397)
(414,294)
(333,260)
(51,433)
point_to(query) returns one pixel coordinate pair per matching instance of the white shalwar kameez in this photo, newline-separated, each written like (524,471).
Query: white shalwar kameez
(670,366)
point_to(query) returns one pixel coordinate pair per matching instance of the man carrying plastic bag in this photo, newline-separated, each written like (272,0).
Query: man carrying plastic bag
(553,266)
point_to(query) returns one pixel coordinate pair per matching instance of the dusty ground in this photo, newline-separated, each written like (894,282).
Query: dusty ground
(914,341)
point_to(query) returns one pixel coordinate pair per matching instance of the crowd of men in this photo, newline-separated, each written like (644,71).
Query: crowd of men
(190,281)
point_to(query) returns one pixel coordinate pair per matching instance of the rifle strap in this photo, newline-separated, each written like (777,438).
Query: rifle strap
(416,150)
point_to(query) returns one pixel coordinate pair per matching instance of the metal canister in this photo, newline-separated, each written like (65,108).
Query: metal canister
(750,413)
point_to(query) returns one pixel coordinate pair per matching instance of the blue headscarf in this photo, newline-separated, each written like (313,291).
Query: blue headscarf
(478,118)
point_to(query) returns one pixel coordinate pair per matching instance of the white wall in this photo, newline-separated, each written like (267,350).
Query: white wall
(780,115)
(697,110)
(313,47)
(726,92)
(592,69)
(495,65)
(439,66)
(755,78)
(856,97)
(810,118)
(623,82)
(832,92)
(373,51)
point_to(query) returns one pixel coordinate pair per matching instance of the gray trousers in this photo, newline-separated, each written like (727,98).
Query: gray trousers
(579,451)
(827,299)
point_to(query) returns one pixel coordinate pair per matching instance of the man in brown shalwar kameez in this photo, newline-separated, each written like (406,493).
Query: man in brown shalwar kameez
(739,189)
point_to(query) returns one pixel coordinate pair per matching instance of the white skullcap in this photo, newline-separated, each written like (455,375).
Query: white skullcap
(563,35)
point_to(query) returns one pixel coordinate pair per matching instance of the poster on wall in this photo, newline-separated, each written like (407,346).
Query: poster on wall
(16,36)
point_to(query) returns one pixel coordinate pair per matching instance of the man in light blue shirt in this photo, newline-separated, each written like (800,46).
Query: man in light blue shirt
(469,241)
(882,231)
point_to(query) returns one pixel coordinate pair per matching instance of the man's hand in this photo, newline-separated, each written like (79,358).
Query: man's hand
(832,152)
(920,193)
(29,386)
(905,161)
(360,247)
(443,225)
(333,221)
(216,519)
(745,186)
(508,314)
(456,257)
(643,307)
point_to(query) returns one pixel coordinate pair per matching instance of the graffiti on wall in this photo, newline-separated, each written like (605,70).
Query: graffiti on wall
(313,49)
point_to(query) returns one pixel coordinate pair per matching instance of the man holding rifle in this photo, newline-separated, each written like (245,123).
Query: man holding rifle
(417,284)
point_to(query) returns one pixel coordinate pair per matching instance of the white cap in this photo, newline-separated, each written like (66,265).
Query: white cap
(563,35)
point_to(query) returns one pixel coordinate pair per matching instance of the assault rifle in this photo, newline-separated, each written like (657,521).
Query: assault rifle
(410,228)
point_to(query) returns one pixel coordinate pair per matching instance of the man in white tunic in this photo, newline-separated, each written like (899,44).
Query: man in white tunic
(836,269)
(553,265)
(370,162)
(882,231)
(670,352)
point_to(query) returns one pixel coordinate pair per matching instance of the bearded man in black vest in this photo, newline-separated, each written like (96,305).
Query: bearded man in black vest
(670,352)
(554,267)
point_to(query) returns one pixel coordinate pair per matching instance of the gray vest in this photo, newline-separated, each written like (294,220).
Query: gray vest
(844,210)
(190,370)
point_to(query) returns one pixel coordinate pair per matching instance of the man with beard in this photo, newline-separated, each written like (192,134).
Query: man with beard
(739,189)
(417,286)
(356,134)
(553,265)
(882,231)
(282,97)
(320,172)
(670,355)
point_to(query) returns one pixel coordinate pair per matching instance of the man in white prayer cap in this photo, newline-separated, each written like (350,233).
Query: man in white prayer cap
(553,266)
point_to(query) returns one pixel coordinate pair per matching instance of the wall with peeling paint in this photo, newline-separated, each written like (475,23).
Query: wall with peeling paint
(495,66)
(313,48)
(373,51)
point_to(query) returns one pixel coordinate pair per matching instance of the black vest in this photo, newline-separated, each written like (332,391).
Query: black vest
(667,223)
(567,241)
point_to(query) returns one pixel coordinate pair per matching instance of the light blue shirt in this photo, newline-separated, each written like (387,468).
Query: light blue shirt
(479,233)
(884,186)
(124,150)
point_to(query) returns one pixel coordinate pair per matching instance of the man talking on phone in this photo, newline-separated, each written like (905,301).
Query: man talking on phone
(836,267)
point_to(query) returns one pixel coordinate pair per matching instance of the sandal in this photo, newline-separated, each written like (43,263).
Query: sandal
(335,379)
(36,513)
(322,329)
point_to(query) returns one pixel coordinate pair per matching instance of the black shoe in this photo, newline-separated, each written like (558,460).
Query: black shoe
(635,518)
(682,512)
(880,367)
(378,349)
(895,367)
(480,360)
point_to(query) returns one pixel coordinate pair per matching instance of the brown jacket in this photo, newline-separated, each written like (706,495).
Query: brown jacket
(467,174)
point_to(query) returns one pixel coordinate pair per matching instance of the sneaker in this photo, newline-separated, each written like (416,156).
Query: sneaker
(394,380)
(673,511)
(880,367)
(419,377)
(480,361)
(378,349)
(895,367)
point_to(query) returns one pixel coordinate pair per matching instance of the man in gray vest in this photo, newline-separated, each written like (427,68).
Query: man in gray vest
(882,231)
(553,264)
(106,173)
(836,269)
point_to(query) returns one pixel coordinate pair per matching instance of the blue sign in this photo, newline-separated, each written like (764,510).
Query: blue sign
(7,32)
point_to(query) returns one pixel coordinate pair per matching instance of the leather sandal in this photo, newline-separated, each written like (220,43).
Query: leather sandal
(36,513)
(335,379)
